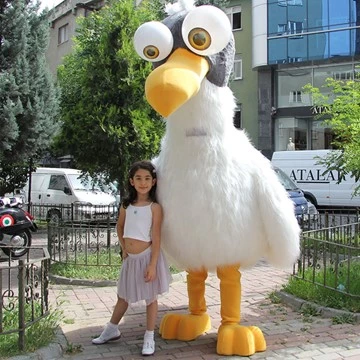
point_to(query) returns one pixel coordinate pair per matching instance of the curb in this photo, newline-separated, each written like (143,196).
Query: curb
(297,304)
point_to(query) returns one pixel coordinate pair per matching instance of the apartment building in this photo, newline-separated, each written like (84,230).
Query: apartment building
(63,24)
(244,80)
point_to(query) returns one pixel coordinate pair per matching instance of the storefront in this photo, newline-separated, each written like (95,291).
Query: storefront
(296,122)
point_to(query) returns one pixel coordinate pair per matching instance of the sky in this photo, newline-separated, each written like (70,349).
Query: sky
(49,3)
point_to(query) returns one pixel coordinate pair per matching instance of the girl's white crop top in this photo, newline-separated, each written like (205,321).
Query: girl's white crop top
(138,221)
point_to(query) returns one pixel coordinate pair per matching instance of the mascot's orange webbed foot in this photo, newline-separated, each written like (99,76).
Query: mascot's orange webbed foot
(184,327)
(234,339)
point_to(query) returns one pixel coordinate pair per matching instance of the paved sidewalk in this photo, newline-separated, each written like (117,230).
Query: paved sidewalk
(288,334)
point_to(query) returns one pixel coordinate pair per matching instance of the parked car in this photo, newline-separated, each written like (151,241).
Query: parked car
(64,194)
(295,194)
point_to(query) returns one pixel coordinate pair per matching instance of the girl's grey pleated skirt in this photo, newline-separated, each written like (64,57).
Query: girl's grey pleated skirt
(132,286)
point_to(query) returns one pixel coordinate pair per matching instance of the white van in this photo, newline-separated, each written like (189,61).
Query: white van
(61,193)
(322,190)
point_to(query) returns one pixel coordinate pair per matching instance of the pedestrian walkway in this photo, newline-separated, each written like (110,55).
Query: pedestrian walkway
(288,333)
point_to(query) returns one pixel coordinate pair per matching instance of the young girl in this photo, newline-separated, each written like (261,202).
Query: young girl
(144,273)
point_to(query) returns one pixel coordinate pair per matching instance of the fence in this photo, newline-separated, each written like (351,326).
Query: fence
(72,212)
(329,218)
(330,257)
(95,242)
(24,292)
(84,243)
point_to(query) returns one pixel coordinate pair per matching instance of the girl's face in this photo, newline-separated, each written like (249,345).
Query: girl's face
(142,181)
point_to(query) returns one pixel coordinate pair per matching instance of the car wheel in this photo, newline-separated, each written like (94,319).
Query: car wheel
(54,216)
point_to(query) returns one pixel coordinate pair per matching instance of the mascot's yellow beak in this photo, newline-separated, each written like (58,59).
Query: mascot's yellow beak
(172,84)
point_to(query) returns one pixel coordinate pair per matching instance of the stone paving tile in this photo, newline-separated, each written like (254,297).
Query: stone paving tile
(289,335)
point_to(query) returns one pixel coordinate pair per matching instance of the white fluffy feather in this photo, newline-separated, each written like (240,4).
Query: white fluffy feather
(223,203)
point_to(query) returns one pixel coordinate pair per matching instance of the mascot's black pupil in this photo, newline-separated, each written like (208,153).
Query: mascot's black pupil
(151,52)
(199,38)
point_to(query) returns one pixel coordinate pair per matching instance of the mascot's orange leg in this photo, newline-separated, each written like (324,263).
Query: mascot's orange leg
(189,326)
(234,339)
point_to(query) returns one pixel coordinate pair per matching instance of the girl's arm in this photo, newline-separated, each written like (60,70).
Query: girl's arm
(120,231)
(157,217)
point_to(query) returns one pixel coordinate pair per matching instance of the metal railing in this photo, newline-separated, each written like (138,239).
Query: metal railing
(24,292)
(84,243)
(72,212)
(329,218)
(330,256)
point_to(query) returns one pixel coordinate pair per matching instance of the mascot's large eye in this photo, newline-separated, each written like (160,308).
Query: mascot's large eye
(199,39)
(153,41)
(206,30)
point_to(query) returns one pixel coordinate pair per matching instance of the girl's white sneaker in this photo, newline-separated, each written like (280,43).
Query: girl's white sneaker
(148,347)
(109,333)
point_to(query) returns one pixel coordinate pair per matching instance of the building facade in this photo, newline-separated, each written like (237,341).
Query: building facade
(296,42)
(63,24)
(244,80)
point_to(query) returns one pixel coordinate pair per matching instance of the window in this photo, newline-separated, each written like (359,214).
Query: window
(58,182)
(294,59)
(282,29)
(295,97)
(234,15)
(63,34)
(237,118)
(237,70)
(295,27)
(345,75)
(290,2)
(294,128)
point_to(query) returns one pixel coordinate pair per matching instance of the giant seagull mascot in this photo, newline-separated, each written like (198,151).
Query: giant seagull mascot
(224,207)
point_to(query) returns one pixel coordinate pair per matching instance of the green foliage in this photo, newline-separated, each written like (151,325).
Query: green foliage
(340,109)
(73,349)
(308,310)
(274,298)
(106,121)
(90,267)
(344,319)
(311,290)
(28,97)
(12,176)
(94,266)
(37,335)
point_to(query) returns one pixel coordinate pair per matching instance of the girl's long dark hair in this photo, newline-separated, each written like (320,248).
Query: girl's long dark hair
(131,192)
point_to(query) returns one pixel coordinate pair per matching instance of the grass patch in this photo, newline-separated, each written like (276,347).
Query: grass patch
(274,298)
(93,266)
(318,294)
(41,224)
(90,266)
(331,242)
(73,349)
(343,319)
(37,335)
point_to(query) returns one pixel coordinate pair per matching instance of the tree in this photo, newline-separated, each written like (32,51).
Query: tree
(341,111)
(106,121)
(28,96)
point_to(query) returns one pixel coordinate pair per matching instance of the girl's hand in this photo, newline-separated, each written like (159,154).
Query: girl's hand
(150,273)
(124,255)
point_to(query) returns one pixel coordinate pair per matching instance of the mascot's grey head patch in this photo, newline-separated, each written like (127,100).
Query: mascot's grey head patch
(221,64)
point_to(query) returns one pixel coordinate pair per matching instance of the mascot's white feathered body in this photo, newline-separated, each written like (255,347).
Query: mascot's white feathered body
(224,207)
